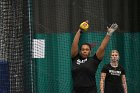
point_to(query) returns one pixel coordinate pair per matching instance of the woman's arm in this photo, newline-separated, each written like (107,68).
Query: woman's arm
(102,82)
(124,84)
(101,50)
(74,48)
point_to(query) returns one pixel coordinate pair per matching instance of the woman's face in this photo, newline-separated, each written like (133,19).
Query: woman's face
(85,51)
(114,56)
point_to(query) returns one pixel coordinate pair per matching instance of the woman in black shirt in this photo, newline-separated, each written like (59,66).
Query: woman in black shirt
(83,66)
(113,78)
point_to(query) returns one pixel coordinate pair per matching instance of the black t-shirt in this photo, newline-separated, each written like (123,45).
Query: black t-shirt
(113,80)
(84,70)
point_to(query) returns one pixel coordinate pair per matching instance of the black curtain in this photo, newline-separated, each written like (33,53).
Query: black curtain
(65,15)
(124,12)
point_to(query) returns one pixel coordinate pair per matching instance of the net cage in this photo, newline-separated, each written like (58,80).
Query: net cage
(15,47)
(56,21)
(36,38)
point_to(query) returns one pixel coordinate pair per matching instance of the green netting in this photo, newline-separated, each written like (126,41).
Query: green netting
(54,71)
(56,21)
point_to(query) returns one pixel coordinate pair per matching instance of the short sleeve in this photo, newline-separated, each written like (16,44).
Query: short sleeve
(104,69)
(96,59)
(123,71)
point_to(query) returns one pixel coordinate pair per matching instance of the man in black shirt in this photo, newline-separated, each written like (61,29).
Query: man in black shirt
(83,66)
(113,78)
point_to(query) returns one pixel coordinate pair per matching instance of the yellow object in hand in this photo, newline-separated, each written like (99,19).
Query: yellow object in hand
(84,26)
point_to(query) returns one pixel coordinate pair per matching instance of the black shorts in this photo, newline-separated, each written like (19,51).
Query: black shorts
(84,90)
(113,90)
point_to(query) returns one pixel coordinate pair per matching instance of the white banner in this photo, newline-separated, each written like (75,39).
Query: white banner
(38,48)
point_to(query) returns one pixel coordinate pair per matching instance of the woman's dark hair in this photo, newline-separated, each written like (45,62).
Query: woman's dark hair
(85,44)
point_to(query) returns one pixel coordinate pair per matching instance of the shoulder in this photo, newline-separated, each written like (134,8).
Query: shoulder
(96,58)
(106,65)
(105,68)
(122,69)
(77,56)
(120,66)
